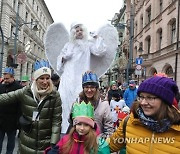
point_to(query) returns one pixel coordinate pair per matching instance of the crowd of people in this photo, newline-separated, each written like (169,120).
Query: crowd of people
(120,118)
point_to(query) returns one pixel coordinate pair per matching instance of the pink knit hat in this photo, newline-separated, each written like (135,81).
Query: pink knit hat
(85,120)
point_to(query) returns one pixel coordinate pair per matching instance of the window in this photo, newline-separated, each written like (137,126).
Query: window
(148,44)
(26,17)
(173,31)
(161,5)
(159,38)
(136,25)
(141,23)
(169,71)
(140,47)
(12,28)
(14,4)
(148,12)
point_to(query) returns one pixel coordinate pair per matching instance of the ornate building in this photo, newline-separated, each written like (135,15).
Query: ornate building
(155,37)
(23,24)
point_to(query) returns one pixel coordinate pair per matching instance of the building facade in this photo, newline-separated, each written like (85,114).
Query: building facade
(23,24)
(155,38)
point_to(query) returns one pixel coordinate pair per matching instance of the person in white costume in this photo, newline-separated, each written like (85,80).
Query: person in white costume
(75,55)
(72,62)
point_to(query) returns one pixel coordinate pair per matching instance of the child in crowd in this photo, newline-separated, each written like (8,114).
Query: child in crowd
(82,138)
(116,105)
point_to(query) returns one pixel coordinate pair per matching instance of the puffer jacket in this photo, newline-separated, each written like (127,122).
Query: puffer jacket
(44,132)
(140,140)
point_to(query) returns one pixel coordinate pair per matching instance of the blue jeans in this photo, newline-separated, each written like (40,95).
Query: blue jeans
(11,135)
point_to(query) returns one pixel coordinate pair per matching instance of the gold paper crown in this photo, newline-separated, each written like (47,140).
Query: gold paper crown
(83,110)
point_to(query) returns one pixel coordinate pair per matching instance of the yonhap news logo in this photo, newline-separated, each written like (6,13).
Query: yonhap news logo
(160,140)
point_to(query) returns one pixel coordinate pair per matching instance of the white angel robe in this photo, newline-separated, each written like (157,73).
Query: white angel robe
(76,62)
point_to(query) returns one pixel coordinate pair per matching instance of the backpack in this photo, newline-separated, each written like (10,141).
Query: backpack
(123,149)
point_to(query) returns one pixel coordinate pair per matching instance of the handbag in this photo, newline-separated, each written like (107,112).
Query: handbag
(25,124)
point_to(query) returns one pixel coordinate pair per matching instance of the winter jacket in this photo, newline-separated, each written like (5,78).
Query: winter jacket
(103,118)
(141,140)
(9,114)
(130,96)
(44,132)
(78,145)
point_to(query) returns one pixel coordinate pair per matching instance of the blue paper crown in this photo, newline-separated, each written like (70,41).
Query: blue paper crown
(89,77)
(9,70)
(42,63)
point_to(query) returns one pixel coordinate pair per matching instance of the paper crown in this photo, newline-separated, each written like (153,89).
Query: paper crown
(41,67)
(42,63)
(90,77)
(83,110)
(25,78)
(9,70)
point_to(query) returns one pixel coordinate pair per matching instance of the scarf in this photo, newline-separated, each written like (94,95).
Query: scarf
(153,125)
(39,93)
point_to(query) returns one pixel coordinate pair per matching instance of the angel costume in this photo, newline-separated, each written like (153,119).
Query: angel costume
(78,56)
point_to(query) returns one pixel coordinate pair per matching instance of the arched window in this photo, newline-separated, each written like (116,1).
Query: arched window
(169,71)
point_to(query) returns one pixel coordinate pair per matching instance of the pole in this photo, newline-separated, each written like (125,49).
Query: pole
(131,41)
(16,35)
(2,51)
(177,43)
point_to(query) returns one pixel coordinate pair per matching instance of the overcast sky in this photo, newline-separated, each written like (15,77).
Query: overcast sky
(92,13)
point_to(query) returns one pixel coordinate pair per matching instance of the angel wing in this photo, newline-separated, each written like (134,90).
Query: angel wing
(101,64)
(55,38)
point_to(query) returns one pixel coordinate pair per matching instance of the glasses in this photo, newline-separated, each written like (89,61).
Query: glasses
(89,87)
(147,98)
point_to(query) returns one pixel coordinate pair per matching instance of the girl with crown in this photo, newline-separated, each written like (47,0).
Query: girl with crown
(82,138)
(91,93)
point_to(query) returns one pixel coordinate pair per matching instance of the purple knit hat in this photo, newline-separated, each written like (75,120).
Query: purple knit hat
(162,87)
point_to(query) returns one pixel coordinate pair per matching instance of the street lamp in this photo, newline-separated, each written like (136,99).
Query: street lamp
(131,41)
(109,73)
(18,25)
